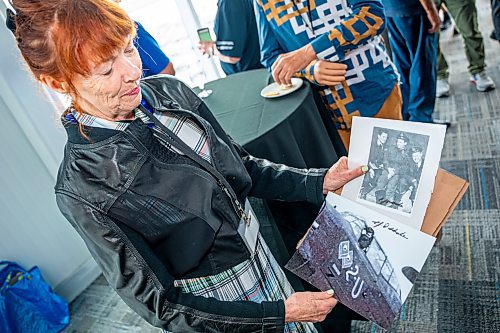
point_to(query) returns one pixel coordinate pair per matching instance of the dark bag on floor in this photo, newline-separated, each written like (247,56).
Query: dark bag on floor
(27,303)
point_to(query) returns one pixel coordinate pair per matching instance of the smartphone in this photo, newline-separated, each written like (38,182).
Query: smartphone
(204,35)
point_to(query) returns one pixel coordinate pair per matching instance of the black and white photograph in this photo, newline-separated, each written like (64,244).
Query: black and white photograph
(368,259)
(402,160)
(395,167)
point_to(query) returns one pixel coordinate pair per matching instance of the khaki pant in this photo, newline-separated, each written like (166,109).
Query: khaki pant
(464,13)
(391,109)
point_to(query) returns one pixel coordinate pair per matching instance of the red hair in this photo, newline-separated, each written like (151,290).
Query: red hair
(62,38)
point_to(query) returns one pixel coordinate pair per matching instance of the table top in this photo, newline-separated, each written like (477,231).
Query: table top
(242,112)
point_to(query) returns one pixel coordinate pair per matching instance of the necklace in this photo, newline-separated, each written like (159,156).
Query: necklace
(308,22)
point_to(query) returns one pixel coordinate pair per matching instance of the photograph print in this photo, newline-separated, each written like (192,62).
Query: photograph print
(395,162)
(370,261)
(403,160)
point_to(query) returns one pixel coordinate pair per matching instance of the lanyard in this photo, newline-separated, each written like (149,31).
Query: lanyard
(309,15)
(168,136)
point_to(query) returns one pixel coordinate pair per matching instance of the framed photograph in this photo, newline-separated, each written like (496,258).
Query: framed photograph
(403,159)
(369,260)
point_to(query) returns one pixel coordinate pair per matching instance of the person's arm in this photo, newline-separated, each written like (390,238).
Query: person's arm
(226,59)
(231,31)
(366,20)
(270,47)
(211,49)
(325,73)
(280,182)
(432,14)
(270,180)
(169,69)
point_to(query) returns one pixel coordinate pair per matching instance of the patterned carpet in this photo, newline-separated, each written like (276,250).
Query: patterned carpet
(459,287)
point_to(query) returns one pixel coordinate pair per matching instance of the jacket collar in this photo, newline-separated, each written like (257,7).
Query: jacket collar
(155,100)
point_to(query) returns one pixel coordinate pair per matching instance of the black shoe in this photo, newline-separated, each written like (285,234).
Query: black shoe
(494,36)
(439,236)
(446,23)
(380,197)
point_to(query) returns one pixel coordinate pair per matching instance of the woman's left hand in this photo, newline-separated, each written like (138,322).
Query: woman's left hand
(338,175)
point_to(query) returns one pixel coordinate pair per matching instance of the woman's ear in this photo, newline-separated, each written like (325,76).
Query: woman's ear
(56,85)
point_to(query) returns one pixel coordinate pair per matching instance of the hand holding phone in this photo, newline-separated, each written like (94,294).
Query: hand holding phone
(206,44)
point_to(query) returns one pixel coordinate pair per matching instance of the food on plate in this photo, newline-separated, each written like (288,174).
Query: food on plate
(271,93)
(286,86)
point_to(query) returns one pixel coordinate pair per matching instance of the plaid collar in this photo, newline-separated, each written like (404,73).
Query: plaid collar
(85,119)
(186,129)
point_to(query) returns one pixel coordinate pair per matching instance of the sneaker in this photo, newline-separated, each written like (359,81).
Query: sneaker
(482,81)
(442,88)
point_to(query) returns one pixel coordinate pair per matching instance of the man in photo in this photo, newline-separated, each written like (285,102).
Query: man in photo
(366,238)
(395,164)
(408,181)
(375,162)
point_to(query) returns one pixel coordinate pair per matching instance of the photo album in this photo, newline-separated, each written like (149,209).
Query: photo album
(366,244)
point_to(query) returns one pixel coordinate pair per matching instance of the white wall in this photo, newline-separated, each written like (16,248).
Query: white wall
(32,231)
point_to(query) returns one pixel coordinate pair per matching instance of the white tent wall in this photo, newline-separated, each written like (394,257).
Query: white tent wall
(32,230)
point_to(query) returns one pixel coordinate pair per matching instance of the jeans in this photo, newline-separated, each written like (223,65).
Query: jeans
(495,12)
(414,53)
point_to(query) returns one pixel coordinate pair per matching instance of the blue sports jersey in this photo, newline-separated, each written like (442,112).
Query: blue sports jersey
(152,57)
(343,31)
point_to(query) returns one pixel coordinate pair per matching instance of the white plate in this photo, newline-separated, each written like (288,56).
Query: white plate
(273,90)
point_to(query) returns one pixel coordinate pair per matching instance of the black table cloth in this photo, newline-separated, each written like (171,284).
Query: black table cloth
(288,129)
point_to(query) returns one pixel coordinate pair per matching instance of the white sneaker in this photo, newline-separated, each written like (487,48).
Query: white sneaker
(442,88)
(482,81)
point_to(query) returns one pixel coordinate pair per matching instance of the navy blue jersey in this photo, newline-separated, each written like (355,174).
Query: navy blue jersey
(237,36)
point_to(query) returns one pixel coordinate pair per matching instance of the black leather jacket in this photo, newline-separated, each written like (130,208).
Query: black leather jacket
(150,216)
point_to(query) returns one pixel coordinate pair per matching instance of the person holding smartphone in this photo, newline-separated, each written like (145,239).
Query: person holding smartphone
(237,43)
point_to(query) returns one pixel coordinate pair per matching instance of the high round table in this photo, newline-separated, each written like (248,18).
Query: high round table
(288,129)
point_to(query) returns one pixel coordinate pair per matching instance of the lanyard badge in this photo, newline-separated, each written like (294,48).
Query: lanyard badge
(249,228)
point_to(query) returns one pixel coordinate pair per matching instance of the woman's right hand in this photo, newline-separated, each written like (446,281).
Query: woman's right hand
(329,73)
(309,306)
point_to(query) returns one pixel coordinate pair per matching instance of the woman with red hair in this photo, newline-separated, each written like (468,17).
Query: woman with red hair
(155,187)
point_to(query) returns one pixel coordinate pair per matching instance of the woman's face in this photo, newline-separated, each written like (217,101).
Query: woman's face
(112,90)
